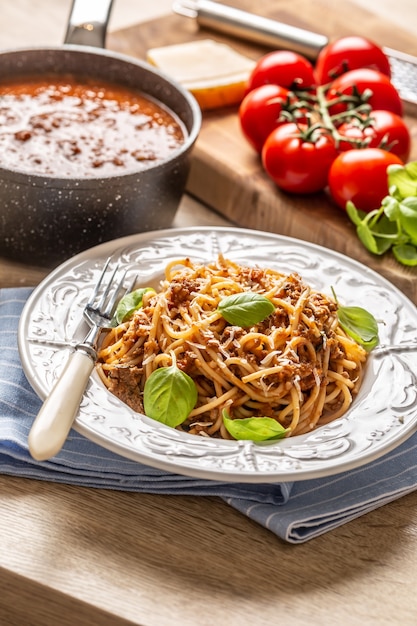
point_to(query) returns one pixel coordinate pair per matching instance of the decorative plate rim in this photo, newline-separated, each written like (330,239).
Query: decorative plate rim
(382,417)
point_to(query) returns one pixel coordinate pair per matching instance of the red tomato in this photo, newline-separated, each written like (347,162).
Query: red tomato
(361,176)
(391,133)
(356,135)
(282,67)
(388,131)
(349,53)
(297,165)
(259,113)
(384,95)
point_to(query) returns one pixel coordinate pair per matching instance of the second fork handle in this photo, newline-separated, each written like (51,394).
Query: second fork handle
(56,417)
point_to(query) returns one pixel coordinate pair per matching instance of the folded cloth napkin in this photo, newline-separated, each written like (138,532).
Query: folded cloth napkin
(295,512)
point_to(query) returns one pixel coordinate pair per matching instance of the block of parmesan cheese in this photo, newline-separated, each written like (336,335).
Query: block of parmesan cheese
(213,72)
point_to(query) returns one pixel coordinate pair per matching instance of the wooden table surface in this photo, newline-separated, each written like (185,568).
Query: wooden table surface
(72,555)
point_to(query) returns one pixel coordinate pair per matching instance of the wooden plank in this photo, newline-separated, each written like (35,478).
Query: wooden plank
(227,175)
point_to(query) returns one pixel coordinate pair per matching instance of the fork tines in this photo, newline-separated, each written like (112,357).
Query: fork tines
(110,285)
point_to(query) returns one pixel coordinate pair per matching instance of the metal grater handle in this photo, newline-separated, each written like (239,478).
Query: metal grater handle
(252,27)
(265,31)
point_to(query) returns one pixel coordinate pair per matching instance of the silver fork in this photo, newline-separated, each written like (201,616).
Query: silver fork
(56,416)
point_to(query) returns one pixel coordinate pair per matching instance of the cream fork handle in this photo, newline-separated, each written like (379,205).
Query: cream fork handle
(53,422)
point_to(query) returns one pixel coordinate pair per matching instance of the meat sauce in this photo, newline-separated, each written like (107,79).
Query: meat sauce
(68,127)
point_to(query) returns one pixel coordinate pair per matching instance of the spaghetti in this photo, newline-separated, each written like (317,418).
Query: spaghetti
(297,366)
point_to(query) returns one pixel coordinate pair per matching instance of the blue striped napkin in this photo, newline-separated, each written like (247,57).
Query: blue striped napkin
(294,512)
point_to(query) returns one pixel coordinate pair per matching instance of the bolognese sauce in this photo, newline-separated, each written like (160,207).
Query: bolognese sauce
(67,127)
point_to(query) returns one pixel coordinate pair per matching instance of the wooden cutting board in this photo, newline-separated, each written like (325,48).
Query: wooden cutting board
(226,174)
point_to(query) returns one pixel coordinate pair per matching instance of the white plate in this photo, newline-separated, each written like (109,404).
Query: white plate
(382,416)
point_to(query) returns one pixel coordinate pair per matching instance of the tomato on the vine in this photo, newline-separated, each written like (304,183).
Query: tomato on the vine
(384,95)
(391,133)
(386,130)
(338,126)
(353,136)
(285,68)
(294,162)
(259,113)
(349,53)
(361,176)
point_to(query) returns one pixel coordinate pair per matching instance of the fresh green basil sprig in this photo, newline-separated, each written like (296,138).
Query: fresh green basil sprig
(130,303)
(245,308)
(169,395)
(254,428)
(359,324)
(394,225)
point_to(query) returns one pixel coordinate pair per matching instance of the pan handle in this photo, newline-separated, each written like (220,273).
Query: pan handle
(87,22)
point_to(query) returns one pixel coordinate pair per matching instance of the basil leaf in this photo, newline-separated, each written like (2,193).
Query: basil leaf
(406,254)
(403,180)
(130,303)
(369,226)
(254,428)
(386,227)
(391,208)
(367,238)
(385,233)
(382,244)
(359,324)
(411,169)
(169,395)
(394,224)
(245,308)
(354,214)
(408,217)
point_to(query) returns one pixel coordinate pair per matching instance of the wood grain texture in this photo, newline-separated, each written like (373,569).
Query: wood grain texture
(227,175)
(81,556)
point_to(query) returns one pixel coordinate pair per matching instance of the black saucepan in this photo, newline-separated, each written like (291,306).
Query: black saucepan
(45,220)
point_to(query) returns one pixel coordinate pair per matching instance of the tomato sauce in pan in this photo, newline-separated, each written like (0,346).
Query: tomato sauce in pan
(64,127)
